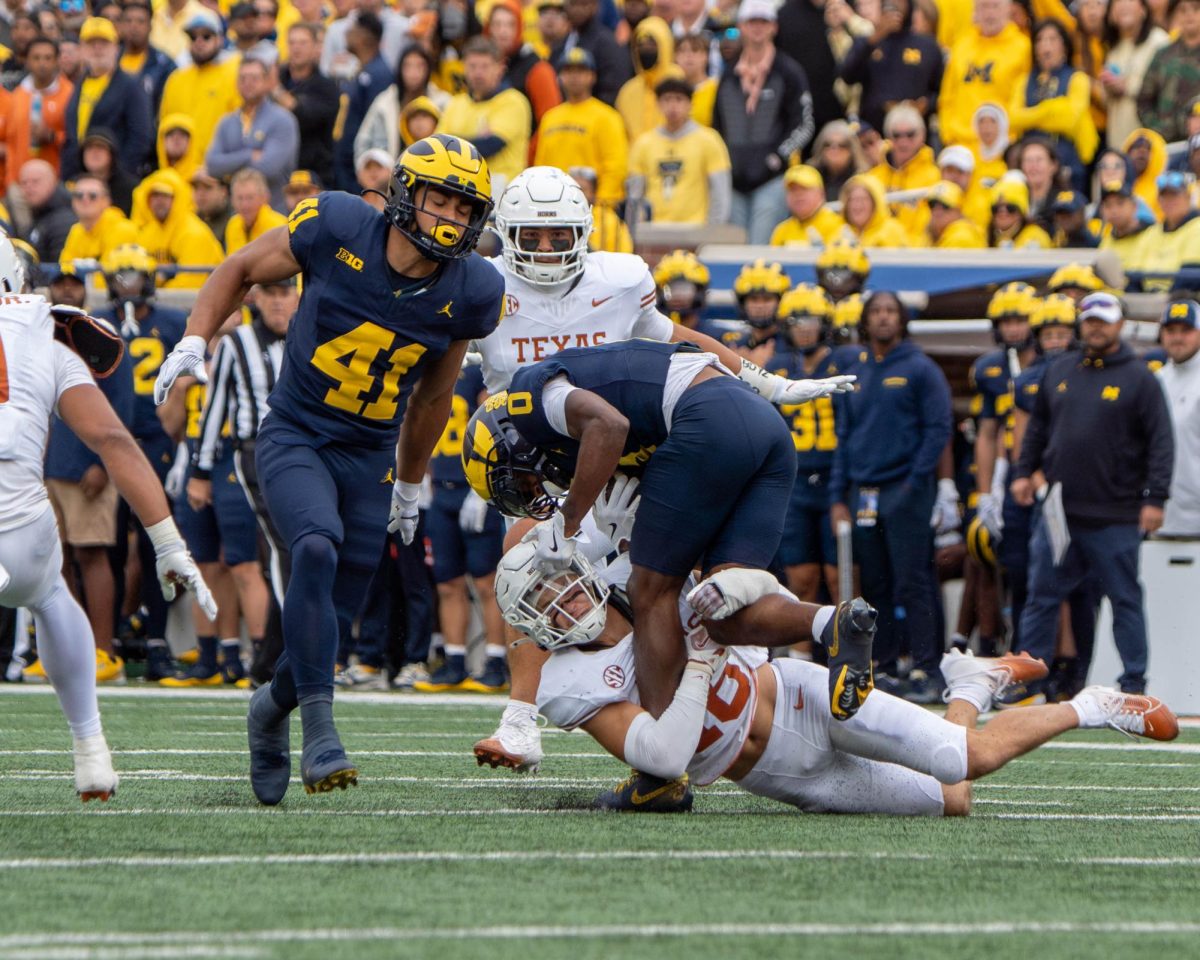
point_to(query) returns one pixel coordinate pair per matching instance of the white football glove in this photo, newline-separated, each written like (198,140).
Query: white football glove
(703,652)
(945,508)
(553,549)
(472,516)
(779,389)
(173,484)
(176,567)
(728,591)
(404,513)
(187,358)
(990,512)
(615,508)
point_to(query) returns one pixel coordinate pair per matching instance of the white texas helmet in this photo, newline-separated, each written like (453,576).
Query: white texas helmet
(536,602)
(543,197)
(12,270)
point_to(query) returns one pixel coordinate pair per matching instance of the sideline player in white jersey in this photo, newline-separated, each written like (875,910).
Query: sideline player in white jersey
(39,375)
(560,295)
(767,724)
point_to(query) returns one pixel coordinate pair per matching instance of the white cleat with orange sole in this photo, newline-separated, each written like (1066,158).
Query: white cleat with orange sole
(979,680)
(516,744)
(95,778)
(1133,714)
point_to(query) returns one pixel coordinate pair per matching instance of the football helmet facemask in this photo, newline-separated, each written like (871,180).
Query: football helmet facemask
(556,609)
(543,197)
(450,165)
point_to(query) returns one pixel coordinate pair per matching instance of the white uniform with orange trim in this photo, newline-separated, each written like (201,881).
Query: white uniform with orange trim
(613,299)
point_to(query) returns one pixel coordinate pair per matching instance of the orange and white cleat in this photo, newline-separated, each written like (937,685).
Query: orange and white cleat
(516,744)
(95,778)
(1133,714)
(981,680)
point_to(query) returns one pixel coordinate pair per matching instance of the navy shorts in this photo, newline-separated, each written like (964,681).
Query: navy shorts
(227,529)
(455,552)
(716,490)
(160,451)
(807,531)
(315,485)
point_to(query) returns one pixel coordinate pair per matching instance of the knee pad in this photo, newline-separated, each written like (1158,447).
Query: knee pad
(949,761)
(313,551)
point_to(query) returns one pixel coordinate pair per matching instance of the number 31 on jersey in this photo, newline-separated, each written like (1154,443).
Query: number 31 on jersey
(348,359)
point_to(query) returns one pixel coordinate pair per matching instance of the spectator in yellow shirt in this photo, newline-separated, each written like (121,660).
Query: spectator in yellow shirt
(653,51)
(173,234)
(174,163)
(583,131)
(1125,233)
(168,30)
(1010,227)
(692,55)
(947,228)
(301,185)
(207,90)
(609,232)
(496,120)
(986,63)
(1147,151)
(681,168)
(101,227)
(811,223)
(1175,241)
(252,213)
(990,124)
(869,223)
(908,163)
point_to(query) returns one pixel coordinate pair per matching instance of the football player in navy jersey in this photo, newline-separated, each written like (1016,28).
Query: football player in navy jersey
(717,468)
(808,548)
(391,300)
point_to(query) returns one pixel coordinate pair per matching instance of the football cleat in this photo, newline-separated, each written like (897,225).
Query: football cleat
(848,639)
(189,657)
(323,762)
(493,679)
(95,778)
(1028,694)
(922,688)
(35,673)
(450,677)
(1133,714)
(359,676)
(109,669)
(269,735)
(978,680)
(159,665)
(516,745)
(198,676)
(642,793)
(409,675)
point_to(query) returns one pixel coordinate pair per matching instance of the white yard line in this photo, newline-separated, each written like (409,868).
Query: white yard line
(401,935)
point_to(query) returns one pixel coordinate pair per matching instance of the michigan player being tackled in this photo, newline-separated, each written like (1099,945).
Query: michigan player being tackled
(767,725)
(391,300)
(39,376)
(559,296)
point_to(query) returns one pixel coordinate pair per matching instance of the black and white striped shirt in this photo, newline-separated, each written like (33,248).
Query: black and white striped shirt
(245,368)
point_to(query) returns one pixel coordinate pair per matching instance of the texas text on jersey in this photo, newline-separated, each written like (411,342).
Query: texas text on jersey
(363,333)
(613,299)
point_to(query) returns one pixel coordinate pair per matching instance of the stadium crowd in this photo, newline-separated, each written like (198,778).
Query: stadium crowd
(143,142)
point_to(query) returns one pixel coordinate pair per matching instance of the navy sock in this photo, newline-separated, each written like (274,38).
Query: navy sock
(310,628)
(208,651)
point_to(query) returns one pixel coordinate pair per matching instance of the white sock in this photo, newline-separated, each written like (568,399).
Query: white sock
(821,621)
(520,711)
(495,650)
(976,692)
(1087,709)
(453,650)
(69,658)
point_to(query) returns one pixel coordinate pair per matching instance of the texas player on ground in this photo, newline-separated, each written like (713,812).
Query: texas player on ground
(767,725)
(39,376)
(558,295)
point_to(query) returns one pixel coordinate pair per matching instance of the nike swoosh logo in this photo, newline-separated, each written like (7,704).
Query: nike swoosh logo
(596,303)
(639,798)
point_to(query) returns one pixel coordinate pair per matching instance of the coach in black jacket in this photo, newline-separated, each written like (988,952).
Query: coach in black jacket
(1101,427)
(120,103)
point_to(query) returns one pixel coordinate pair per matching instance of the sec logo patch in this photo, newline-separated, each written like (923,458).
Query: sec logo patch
(614,676)
(511,305)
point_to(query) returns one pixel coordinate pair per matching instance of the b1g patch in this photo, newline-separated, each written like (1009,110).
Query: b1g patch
(614,676)
(355,263)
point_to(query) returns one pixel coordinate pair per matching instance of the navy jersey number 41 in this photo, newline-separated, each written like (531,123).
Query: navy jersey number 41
(362,333)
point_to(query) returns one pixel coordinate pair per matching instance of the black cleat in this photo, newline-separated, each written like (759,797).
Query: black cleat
(323,762)
(848,639)
(270,747)
(642,793)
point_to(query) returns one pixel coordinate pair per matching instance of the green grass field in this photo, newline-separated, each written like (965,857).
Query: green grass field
(1090,849)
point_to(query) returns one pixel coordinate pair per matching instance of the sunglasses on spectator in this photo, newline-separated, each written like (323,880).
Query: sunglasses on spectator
(1006,208)
(86,194)
(905,134)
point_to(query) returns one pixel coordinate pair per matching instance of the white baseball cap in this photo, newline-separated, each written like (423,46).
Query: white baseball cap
(757,10)
(1101,306)
(958,157)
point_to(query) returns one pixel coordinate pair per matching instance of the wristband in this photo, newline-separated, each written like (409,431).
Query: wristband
(947,489)
(407,491)
(163,534)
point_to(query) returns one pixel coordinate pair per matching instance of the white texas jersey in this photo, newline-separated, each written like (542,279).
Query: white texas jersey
(35,370)
(577,684)
(614,299)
